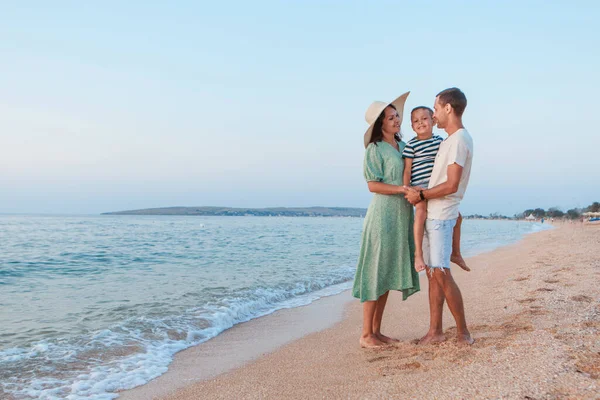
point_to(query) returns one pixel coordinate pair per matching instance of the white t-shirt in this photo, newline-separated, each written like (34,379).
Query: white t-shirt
(457,148)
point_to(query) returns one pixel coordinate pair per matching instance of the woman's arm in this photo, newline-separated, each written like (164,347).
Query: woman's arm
(385,188)
(407,171)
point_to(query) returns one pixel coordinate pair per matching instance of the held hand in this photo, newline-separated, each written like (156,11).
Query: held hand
(412,196)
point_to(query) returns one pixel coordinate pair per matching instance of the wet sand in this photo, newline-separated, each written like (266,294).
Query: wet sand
(532,307)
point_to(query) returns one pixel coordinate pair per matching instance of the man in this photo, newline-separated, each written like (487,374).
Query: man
(447,187)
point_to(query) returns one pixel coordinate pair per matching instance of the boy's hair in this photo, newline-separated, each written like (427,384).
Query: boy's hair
(422,108)
(456,98)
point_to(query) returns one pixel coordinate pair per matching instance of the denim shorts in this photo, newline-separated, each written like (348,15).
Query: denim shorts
(437,242)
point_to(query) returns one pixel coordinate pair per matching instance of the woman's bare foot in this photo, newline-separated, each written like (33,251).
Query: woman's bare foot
(458,260)
(432,338)
(419,264)
(386,339)
(465,339)
(370,342)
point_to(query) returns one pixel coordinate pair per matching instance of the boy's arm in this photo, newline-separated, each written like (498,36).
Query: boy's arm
(407,171)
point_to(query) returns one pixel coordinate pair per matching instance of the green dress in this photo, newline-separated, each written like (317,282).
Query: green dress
(387,245)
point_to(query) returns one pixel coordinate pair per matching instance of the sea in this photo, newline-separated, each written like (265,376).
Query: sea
(90,305)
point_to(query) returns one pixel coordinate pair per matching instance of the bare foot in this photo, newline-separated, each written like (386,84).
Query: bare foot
(465,339)
(370,342)
(419,264)
(432,338)
(386,339)
(458,260)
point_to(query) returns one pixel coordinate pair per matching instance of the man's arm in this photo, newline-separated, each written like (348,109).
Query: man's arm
(454,173)
(448,187)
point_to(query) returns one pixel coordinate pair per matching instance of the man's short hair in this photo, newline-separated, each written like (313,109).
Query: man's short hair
(422,108)
(456,98)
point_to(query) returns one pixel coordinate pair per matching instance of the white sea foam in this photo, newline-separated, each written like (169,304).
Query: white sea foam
(101,381)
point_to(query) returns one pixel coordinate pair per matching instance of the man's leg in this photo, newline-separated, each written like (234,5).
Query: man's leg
(436,308)
(457,257)
(455,304)
(380,306)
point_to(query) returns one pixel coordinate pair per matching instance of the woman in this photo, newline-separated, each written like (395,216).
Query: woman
(387,244)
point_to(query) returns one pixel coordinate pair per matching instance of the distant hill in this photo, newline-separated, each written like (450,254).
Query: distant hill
(268,212)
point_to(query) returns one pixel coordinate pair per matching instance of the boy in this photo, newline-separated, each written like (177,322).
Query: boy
(419,157)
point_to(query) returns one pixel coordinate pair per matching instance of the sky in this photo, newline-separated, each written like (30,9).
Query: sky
(110,105)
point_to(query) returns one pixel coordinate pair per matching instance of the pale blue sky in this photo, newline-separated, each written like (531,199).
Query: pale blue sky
(116,105)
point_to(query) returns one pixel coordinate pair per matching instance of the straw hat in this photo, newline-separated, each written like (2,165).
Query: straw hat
(377,107)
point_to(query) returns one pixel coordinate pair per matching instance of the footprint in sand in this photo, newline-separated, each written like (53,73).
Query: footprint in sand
(582,297)
(527,300)
(410,366)
(380,358)
(551,281)
(562,269)
(588,362)
(396,369)
(509,328)
(591,324)
(536,311)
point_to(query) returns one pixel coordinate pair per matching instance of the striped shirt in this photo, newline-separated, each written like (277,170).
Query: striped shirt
(423,153)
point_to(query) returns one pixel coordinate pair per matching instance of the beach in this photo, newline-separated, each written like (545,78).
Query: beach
(532,307)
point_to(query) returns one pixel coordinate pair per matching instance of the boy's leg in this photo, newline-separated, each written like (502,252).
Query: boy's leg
(419,231)
(457,257)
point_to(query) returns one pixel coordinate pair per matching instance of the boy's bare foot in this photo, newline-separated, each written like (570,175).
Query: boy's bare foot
(458,260)
(419,264)
(386,339)
(370,342)
(432,338)
(465,339)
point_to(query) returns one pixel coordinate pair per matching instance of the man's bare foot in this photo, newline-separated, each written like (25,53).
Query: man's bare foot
(386,339)
(432,338)
(419,264)
(458,260)
(465,339)
(370,342)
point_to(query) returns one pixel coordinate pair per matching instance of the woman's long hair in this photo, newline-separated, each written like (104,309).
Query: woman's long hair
(377,132)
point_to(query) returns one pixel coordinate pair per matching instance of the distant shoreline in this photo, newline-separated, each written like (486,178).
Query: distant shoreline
(261,212)
(271,212)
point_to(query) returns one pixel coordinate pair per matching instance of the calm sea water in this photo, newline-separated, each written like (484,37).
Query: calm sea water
(91,305)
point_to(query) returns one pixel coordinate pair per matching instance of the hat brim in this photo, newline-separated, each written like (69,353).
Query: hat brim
(399,104)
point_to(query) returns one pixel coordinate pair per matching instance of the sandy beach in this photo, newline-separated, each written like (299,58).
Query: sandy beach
(532,307)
